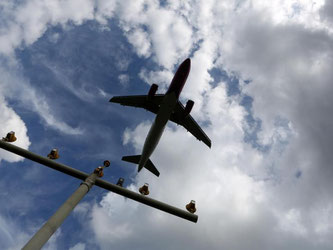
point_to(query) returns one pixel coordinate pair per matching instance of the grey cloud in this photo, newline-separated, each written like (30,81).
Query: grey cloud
(326,12)
(290,67)
(247,199)
(251,199)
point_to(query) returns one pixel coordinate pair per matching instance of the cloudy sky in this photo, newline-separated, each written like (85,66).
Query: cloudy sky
(261,80)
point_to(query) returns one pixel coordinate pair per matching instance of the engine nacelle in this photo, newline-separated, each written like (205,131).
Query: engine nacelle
(152,90)
(188,107)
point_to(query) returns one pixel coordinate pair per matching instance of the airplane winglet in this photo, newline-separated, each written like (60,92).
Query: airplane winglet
(113,99)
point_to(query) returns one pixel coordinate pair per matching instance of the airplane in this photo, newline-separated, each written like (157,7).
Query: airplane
(166,107)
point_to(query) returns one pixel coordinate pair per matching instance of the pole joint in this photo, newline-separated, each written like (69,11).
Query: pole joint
(89,181)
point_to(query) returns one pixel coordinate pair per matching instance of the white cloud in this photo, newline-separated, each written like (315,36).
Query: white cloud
(51,244)
(30,19)
(170,34)
(291,12)
(140,40)
(40,105)
(290,222)
(17,87)
(225,198)
(161,77)
(78,246)
(123,79)
(10,121)
(270,198)
(11,236)
(247,199)
(22,26)
(105,10)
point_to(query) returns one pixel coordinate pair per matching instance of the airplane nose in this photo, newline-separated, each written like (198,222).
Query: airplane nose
(186,64)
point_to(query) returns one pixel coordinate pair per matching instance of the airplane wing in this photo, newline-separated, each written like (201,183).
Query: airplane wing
(151,104)
(189,123)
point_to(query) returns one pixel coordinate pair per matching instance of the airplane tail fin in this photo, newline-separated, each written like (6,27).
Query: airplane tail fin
(136,159)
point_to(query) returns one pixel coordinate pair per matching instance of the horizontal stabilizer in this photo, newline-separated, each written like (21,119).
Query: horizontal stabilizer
(136,159)
(132,158)
(150,166)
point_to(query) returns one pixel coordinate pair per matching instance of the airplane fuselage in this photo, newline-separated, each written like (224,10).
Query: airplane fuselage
(165,110)
(157,128)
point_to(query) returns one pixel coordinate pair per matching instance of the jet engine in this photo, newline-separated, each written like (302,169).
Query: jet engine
(152,90)
(188,107)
